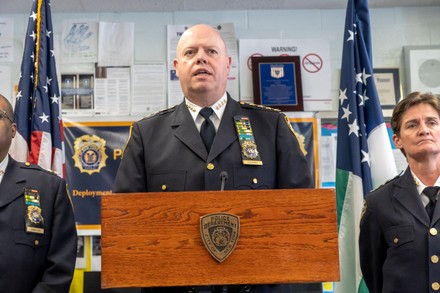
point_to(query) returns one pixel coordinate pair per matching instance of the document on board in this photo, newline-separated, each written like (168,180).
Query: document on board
(79,41)
(112,93)
(116,44)
(148,88)
(6,39)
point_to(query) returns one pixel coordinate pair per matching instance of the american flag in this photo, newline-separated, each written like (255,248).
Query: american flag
(39,138)
(364,154)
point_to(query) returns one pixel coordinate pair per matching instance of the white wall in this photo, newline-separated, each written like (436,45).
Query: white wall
(392,28)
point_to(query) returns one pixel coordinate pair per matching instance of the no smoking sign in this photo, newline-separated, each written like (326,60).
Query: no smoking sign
(312,63)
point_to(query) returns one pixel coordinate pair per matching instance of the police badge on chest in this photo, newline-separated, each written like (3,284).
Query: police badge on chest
(33,215)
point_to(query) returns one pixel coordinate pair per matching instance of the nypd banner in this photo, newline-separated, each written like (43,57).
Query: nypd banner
(93,154)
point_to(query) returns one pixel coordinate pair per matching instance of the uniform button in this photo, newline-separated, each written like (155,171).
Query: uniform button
(164,187)
(433,231)
(210,166)
(434,259)
(396,240)
(27,164)
(435,286)
(36,242)
(255,180)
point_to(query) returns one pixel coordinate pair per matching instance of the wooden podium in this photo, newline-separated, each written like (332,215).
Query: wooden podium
(153,239)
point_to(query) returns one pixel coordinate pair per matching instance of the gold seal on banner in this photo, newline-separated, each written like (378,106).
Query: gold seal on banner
(220,233)
(89,154)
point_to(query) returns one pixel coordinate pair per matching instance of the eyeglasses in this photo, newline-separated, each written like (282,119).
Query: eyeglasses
(3,115)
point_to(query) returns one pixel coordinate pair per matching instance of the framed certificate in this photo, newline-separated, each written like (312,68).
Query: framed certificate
(277,82)
(388,86)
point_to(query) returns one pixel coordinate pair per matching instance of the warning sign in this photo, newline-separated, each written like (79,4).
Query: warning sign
(312,63)
(315,68)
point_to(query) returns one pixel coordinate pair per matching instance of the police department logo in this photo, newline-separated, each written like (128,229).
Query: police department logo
(220,233)
(34,214)
(277,71)
(89,154)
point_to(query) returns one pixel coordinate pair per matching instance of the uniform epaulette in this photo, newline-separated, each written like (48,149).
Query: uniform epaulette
(28,165)
(256,106)
(160,112)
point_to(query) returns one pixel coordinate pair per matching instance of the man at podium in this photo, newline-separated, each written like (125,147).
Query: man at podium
(210,141)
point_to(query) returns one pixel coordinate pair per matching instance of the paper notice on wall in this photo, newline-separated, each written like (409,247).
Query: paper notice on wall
(79,41)
(112,92)
(116,44)
(6,39)
(148,90)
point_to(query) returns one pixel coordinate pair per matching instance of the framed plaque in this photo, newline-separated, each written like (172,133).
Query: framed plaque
(388,86)
(277,82)
(422,68)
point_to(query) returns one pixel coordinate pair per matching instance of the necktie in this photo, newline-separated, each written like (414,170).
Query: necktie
(431,193)
(207,131)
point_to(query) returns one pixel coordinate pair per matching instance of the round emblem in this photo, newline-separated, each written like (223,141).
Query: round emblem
(90,154)
(34,214)
(249,149)
(220,236)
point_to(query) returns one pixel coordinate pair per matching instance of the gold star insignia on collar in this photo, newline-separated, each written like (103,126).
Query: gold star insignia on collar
(221,104)
(190,107)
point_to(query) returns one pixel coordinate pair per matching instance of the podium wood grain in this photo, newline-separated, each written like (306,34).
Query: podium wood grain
(153,239)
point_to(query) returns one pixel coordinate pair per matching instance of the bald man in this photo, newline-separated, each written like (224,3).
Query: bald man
(186,147)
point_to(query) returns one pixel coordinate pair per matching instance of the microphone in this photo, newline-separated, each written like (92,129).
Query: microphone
(223,178)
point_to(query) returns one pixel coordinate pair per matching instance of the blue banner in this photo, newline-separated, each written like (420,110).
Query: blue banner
(93,153)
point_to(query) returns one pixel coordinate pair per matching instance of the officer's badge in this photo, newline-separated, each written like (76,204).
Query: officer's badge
(34,218)
(220,232)
(249,149)
(34,214)
(89,154)
(249,152)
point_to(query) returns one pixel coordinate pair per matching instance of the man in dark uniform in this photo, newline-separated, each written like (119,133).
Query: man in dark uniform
(180,150)
(399,233)
(37,226)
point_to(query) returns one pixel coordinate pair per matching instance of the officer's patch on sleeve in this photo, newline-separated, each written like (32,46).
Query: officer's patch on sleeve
(364,209)
(301,139)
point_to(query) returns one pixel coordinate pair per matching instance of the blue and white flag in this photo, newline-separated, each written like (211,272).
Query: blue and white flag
(364,155)
(39,138)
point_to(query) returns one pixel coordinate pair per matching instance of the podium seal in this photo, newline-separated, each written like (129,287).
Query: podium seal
(220,233)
